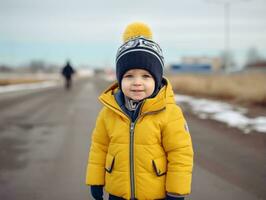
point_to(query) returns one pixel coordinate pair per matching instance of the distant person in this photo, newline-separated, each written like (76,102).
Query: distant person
(68,72)
(141,147)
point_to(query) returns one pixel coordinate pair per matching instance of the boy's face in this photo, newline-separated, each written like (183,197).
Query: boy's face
(137,84)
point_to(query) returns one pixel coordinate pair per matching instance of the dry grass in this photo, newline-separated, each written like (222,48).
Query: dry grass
(242,88)
(18,81)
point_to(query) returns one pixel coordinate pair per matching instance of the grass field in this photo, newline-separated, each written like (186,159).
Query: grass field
(4,82)
(23,78)
(248,88)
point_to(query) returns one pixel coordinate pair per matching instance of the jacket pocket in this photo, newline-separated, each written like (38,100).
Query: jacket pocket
(109,163)
(159,165)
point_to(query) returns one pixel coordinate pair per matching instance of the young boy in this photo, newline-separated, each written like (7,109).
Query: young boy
(141,147)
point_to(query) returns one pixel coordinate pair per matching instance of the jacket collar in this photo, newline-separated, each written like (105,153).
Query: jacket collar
(157,103)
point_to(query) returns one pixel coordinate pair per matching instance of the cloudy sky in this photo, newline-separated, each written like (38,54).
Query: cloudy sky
(89,32)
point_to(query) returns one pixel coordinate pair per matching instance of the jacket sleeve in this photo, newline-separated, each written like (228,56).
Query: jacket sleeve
(98,150)
(178,146)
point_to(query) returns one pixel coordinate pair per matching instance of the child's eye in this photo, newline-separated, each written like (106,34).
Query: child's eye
(128,76)
(147,76)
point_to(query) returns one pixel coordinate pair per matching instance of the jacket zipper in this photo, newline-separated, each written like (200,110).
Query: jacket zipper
(131,155)
(131,152)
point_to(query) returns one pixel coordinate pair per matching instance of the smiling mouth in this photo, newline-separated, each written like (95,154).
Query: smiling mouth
(137,90)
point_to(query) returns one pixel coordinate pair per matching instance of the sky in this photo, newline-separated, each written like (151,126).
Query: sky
(90,32)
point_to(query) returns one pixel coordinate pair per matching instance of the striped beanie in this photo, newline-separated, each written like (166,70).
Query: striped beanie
(139,51)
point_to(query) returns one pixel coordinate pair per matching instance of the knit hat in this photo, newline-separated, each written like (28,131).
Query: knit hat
(139,51)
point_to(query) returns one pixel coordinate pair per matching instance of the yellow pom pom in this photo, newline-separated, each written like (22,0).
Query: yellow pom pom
(137,29)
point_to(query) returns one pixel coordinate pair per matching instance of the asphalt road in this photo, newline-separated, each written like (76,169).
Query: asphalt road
(45,137)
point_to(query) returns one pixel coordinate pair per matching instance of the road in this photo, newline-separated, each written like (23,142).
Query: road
(45,137)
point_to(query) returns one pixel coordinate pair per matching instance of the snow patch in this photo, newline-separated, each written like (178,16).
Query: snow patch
(233,116)
(28,86)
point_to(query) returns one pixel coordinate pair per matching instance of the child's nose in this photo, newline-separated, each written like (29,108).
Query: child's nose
(137,81)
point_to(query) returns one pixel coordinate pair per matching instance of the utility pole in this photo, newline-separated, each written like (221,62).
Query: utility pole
(227,8)
(227,57)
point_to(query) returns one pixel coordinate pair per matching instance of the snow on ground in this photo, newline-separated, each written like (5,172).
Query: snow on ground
(53,79)
(27,86)
(85,73)
(223,112)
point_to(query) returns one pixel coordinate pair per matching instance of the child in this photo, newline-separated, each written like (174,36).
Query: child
(141,147)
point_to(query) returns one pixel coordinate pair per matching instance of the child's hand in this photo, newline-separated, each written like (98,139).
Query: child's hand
(172,197)
(97,192)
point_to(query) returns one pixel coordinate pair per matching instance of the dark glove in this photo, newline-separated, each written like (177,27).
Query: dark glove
(97,192)
(174,198)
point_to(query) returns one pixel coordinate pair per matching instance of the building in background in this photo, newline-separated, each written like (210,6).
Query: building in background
(198,64)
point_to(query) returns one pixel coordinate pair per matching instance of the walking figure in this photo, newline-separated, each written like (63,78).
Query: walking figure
(68,72)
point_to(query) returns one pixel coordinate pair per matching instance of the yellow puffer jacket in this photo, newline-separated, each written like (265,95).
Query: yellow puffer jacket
(145,159)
